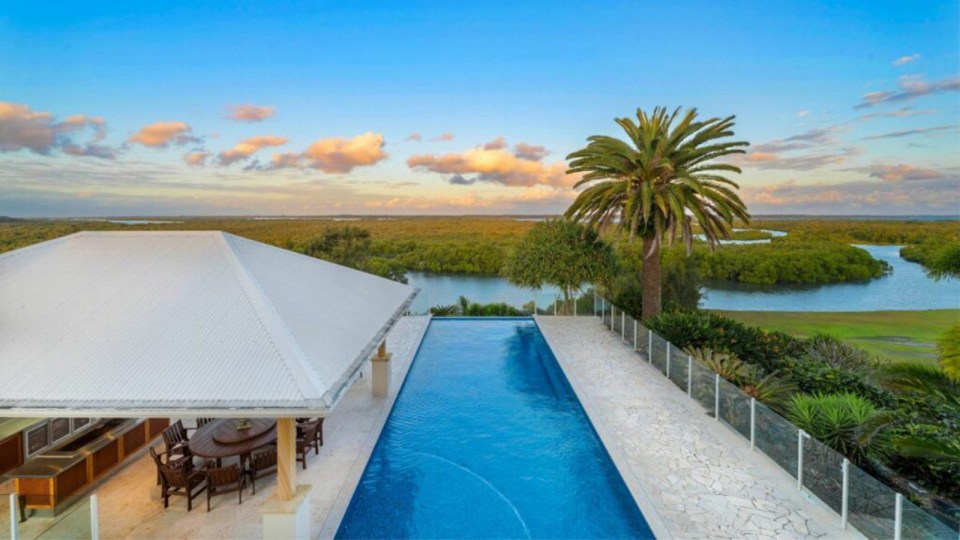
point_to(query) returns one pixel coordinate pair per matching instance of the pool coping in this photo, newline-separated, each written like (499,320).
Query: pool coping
(610,443)
(331,525)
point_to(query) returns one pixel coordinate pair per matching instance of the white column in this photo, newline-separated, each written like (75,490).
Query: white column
(287,514)
(381,370)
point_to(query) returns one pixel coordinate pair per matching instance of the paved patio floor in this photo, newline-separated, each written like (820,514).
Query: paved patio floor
(130,505)
(698,476)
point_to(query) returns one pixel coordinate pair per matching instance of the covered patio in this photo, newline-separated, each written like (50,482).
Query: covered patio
(204,324)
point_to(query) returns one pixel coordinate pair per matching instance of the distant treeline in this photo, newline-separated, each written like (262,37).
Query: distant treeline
(477,245)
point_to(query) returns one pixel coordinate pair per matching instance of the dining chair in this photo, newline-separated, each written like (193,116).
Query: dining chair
(223,480)
(182,481)
(262,464)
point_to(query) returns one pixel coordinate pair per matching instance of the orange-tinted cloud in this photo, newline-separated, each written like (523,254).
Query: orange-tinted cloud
(23,128)
(443,137)
(248,147)
(195,159)
(496,165)
(415,136)
(902,172)
(910,87)
(250,113)
(163,134)
(335,154)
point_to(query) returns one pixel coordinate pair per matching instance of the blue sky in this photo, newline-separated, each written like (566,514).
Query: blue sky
(851,107)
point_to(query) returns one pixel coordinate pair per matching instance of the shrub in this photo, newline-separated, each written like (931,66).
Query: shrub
(846,422)
(839,354)
(726,365)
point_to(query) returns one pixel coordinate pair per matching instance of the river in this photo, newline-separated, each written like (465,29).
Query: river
(907,287)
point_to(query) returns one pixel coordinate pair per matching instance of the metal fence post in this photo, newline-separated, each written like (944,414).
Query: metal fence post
(623,325)
(14,527)
(634,334)
(800,435)
(668,359)
(753,423)
(898,517)
(845,504)
(649,346)
(716,396)
(689,375)
(94,518)
(554,306)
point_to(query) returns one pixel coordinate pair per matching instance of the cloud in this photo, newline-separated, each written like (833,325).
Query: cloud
(163,134)
(904,112)
(460,180)
(904,60)
(802,162)
(903,172)
(496,144)
(250,113)
(248,147)
(415,136)
(908,132)
(921,195)
(530,151)
(817,142)
(910,87)
(443,137)
(803,113)
(496,165)
(22,128)
(89,150)
(335,154)
(195,159)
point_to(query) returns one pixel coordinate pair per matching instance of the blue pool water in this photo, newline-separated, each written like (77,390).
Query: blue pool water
(488,440)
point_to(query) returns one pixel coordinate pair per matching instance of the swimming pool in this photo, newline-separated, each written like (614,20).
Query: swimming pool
(487,439)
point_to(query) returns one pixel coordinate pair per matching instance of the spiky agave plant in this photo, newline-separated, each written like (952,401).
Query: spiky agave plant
(846,422)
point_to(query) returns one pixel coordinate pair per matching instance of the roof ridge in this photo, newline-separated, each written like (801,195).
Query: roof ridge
(282,337)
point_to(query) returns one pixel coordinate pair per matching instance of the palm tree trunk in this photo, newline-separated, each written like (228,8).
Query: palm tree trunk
(651,278)
(566,301)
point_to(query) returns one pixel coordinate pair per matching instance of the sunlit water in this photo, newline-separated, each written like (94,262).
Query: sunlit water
(906,288)
(488,440)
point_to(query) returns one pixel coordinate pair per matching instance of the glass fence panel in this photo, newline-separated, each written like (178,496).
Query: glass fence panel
(608,315)
(643,336)
(597,306)
(659,353)
(420,305)
(678,368)
(735,408)
(73,524)
(702,386)
(631,330)
(871,506)
(918,523)
(823,473)
(617,321)
(777,438)
(548,304)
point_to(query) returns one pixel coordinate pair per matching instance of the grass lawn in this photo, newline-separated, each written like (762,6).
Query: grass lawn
(897,335)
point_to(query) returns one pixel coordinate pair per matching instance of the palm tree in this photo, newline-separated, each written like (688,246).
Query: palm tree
(660,182)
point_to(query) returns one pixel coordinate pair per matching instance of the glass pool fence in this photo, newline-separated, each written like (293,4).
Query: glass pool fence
(860,500)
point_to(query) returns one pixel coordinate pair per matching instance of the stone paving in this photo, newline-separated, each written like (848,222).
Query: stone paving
(130,505)
(696,477)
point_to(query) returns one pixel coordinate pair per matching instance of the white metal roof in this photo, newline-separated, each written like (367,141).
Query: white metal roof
(140,323)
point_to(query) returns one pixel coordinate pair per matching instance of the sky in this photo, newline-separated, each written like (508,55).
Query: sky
(449,107)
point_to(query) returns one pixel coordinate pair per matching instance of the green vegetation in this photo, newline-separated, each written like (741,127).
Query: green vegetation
(679,274)
(949,347)
(791,262)
(940,257)
(466,308)
(894,335)
(350,246)
(667,177)
(860,231)
(563,254)
(900,421)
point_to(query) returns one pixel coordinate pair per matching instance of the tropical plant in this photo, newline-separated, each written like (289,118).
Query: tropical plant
(497,309)
(561,253)
(727,365)
(922,380)
(445,311)
(770,389)
(837,353)
(666,178)
(949,348)
(846,422)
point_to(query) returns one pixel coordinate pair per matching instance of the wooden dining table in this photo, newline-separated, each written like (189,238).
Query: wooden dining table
(221,438)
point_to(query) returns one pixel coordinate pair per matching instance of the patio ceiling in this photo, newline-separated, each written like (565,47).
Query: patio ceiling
(183,323)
